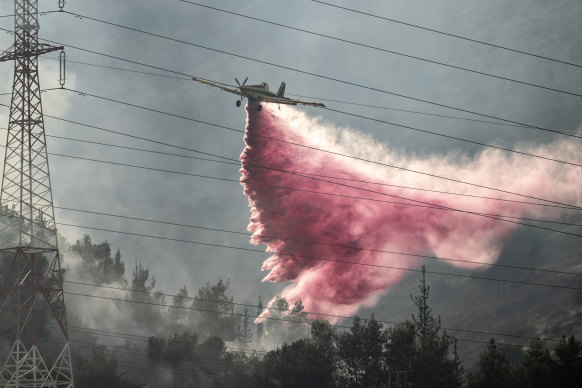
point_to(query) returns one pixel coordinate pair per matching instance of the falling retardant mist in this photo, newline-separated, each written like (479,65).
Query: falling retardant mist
(341,230)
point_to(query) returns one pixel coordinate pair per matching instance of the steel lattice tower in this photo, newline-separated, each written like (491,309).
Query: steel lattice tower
(30,270)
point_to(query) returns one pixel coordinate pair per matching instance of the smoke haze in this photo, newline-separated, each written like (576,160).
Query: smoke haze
(285,220)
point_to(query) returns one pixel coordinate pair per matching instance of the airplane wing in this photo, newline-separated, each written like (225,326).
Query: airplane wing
(290,101)
(217,85)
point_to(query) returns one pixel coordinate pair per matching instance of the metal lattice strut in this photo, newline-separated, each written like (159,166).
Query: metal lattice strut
(30,270)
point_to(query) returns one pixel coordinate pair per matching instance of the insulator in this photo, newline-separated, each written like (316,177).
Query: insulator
(62,62)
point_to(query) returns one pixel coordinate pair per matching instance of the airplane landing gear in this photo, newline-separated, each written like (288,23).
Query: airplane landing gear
(238,103)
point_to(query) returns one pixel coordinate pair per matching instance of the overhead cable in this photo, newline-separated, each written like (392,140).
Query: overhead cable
(222,230)
(319,149)
(318,76)
(235,161)
(203,243)
(449,34)
(288,310)
(417,203)
(375,48)
(299,95)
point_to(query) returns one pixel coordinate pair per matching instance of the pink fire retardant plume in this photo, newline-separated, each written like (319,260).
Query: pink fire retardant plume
(286,220)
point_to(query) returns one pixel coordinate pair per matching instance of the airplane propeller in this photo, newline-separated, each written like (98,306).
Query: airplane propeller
(244,82)
(239,102)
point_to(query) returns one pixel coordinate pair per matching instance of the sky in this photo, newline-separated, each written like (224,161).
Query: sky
(315,67)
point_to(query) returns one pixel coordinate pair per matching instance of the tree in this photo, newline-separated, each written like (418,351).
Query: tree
(139,280)
(178,305)
(287,323)
(537,366)
(432,366)
(174,350)
(116,272)
(97,263)
(145,308)
(493,370)
(568,366)
(298,364)
(424,322)
(361,354)
(214,310)
(101,372)
(324,337)
(401,348)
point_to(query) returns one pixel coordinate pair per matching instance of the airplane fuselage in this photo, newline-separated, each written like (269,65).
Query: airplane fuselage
(259,92)
(256,92)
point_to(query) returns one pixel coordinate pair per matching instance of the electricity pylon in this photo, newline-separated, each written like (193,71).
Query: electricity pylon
(30,268)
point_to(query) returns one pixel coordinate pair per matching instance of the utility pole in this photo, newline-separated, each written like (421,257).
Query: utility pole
(30,269)
(260,329)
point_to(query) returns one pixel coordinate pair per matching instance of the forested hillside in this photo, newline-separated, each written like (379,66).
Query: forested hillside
(207,338)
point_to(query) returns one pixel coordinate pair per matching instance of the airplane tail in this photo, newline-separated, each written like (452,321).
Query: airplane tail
(281,91)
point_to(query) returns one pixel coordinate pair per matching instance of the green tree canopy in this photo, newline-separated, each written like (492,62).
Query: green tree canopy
(97,263)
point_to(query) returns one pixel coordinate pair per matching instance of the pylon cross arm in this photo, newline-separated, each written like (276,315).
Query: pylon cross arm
(12,54)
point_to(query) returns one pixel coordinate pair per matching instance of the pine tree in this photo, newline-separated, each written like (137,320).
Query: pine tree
(493,369)
(432,365)
(214,311)
(179,303)
(425,320)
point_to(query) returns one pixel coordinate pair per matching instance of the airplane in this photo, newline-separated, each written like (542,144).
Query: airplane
(259,93)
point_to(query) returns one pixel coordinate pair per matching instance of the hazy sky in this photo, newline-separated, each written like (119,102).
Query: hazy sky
(551,29)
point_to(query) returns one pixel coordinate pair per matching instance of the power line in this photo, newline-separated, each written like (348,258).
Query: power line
(165,368)
(237,163)
(125,70)
(301,96)
(222,230)
(440,207)
(311,74)
(143,338)
(202,243)
(336,183)
(362,117)
(135,352)
(374,48)
(182,307)
(316,175)
(304,241)
(425,204)
(304,96)
(233,161)
(318,149)
(269,308)
(141,138)
(407,111)
(342,112)
(160,367)
(454,137)
(448,34)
